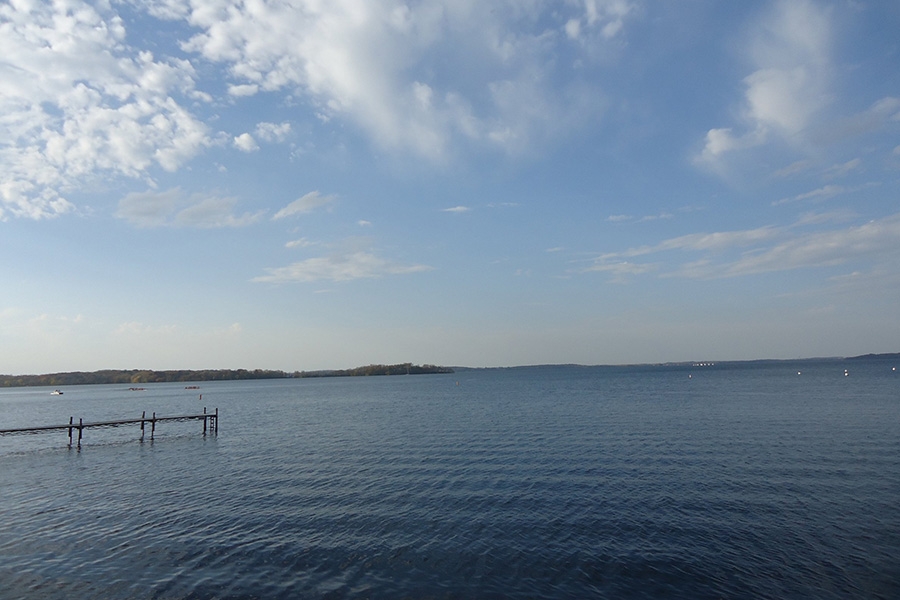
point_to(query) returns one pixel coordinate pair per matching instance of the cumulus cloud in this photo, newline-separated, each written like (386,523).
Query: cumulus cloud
(172,208)
(245,143)
(306,203)
(374,62)
(273,132)
(790,84)
(79,104)
(606,17)
(338,267)
(243,90)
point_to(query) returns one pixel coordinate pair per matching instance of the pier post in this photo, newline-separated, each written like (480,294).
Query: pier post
(210,425)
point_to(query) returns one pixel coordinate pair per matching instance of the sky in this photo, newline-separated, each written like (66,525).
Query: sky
(310,184)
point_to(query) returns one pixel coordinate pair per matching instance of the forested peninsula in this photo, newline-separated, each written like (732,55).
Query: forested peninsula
(148,376)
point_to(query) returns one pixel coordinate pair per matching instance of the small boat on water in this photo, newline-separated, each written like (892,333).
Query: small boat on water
(56,393)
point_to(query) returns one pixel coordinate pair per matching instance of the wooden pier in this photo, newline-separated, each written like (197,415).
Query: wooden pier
(210,424)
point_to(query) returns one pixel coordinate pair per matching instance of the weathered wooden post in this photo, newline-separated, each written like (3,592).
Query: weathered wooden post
(153,425)
(143,415)
(70,430)
(204,420)
(217,420)
(80,429)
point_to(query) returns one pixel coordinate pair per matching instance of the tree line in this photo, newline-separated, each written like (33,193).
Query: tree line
(135,376)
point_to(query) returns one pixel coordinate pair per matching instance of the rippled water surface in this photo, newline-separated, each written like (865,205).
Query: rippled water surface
(731,481)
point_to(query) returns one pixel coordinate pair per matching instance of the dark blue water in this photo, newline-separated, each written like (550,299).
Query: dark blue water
(732,481)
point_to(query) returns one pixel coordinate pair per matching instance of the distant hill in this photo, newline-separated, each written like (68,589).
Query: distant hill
(135,376)
(886,356)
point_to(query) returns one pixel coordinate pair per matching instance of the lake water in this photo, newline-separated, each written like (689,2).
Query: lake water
(728,481)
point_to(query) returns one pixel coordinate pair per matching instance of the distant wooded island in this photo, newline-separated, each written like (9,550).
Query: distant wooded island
(148,376)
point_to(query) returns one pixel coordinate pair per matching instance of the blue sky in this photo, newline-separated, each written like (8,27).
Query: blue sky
(303,185)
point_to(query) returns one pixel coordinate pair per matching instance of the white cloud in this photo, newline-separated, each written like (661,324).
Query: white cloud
(823,193)
(79,104)
(827,191)
(245,143)
(456,209)
(844,169)
(243,90)
(339,267)
(790,84)
(879,239)
(173,208)
(299,243)
(375,62)
(307,203)
(608,16)
(768,249)
(663,215)
(620,270)
(213,212)
(273,132)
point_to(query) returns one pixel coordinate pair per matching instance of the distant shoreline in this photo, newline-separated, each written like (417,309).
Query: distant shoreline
(691,363)
(138,376)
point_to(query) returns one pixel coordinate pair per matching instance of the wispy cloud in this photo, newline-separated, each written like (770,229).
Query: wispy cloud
(620,270)
(823,193)
(456,209)
(662,215)
(299,243)
(828,191)
(843,169)
(307,203)
(768,249)
(173,208)
(338,267)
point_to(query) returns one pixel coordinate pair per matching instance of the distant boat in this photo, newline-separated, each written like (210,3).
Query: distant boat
(56,393)
(192,387)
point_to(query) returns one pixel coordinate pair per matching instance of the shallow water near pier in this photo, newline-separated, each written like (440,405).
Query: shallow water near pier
(738,480)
